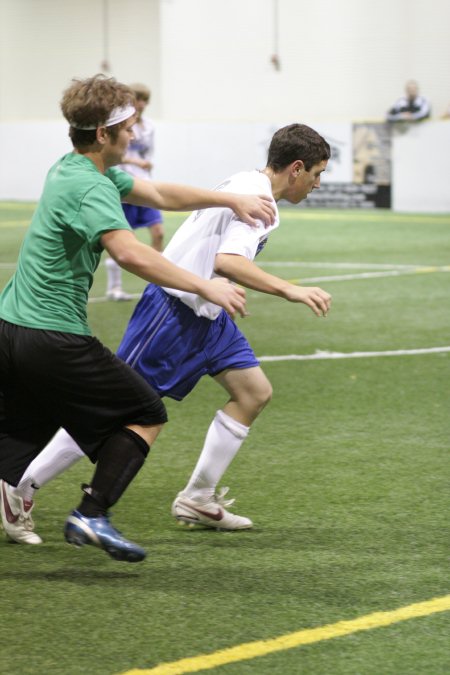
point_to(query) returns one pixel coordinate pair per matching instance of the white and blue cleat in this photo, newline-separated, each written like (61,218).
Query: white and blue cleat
(80,530)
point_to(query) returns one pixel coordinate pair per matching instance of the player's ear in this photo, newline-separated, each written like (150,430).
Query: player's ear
(101,135)
(297,167)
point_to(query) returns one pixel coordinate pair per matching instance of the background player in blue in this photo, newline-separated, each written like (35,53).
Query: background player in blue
(53,372)
(176,337)
(138,162)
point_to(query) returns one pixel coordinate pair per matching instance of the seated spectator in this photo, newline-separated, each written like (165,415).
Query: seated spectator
(410,108)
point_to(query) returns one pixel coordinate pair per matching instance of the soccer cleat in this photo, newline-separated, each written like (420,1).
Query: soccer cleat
(118,295)
(210,514)
(80,530)
(16,516)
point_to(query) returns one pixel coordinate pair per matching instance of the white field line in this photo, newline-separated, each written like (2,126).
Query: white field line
(354,277)
(103,298)
(335,265)
(385,271)
(321,355)
(401,270)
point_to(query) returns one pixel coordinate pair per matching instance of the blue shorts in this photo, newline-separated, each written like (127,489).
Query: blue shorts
(141,216)
(172,348)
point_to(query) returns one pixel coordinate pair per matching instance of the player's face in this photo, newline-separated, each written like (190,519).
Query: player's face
(140,105)
(303,182)
(116,149)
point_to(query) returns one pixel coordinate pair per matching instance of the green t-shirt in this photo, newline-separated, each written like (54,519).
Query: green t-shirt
(62,247)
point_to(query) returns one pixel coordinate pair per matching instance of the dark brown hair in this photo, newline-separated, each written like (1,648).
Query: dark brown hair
(297,141)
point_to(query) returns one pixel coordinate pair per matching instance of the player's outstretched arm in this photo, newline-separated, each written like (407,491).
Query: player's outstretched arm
(243,271)
(145,262)
(174,197)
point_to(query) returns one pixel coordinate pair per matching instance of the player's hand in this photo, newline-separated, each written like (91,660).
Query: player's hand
(312,296)
(251,208)
(222,292)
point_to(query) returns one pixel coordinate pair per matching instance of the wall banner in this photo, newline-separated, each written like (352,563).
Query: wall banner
(360,175)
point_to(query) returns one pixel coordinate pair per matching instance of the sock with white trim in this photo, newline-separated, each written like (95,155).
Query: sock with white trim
(223,440)
(57,456)
(114,275)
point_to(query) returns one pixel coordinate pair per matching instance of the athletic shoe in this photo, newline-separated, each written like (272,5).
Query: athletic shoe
(118,295)
(80,530)
(16,516)
(210,514)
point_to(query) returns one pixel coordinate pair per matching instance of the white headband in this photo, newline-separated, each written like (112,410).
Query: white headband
(116,116)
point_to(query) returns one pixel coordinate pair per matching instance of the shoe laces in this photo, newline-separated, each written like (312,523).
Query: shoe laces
(219,497)
(25,516)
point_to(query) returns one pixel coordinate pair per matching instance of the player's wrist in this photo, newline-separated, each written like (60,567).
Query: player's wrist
(284,289)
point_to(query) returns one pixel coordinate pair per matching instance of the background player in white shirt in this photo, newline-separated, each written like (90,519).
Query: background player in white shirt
(174,338)
(138,162)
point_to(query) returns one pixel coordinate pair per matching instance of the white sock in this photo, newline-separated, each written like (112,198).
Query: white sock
(114,274)
(57,456)
(224,438)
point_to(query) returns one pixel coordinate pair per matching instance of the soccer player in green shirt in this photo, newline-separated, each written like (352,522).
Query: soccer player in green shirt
(53,372)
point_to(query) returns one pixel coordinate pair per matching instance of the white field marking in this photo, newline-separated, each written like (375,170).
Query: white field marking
(385,270)
(315,280)
(321,355)
(401,270)
(371,275)
(103,298)
(352,277)
(336,265)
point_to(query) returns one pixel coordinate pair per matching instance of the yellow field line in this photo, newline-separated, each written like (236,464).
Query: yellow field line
(251,650)
(355,215)
(17,205)
(15,223)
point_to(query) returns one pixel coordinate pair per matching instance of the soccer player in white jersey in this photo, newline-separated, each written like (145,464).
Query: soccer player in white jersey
(138,162)
(174,338)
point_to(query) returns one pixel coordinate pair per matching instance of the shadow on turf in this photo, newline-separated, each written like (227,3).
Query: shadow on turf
(71,574)
(303,582)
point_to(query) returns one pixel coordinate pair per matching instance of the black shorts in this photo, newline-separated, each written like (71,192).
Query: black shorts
(49,380)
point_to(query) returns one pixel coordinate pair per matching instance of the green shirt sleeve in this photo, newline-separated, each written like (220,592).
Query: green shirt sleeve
(100,211)
(122,180)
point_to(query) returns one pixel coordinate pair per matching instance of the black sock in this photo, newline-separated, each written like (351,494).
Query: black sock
(119,460)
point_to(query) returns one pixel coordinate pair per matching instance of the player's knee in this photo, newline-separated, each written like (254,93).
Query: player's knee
(137,440)
(266,393)
(261,396)
(148,434)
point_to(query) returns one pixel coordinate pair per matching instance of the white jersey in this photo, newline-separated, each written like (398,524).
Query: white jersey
(207,232)
(141,147)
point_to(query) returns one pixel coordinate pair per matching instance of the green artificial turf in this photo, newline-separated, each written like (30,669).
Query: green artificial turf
(345,475)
